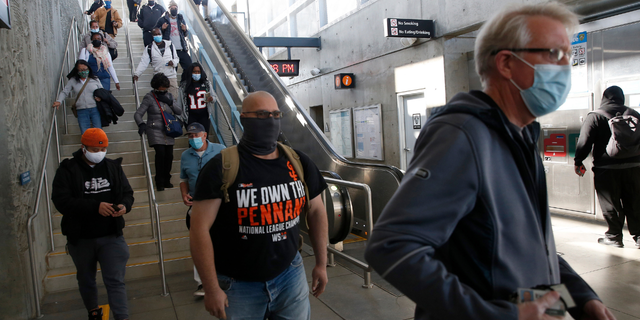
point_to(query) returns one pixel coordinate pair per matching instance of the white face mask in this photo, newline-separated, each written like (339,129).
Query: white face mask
(95,157)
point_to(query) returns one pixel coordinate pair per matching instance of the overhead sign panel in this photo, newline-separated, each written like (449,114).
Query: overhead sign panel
(286,68)
(408,28)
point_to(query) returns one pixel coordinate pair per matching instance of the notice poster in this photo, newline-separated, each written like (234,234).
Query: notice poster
(579,69)
(340,131)
(368,130)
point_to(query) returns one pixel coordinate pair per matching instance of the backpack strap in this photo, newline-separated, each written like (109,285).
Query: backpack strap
(149,53)
(294,159)
(230,166)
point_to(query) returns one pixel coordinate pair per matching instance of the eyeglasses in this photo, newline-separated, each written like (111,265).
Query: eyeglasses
(555,54)
(266,114)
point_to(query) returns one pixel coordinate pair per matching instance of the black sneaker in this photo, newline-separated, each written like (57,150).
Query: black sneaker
(611,242)
(95,314)
(638,242)
(168,185)
(159,188)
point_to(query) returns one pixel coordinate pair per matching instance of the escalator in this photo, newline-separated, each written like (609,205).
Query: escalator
(243,69)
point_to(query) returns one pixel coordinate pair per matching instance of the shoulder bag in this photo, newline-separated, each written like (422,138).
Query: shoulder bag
(74,109)
(172,126)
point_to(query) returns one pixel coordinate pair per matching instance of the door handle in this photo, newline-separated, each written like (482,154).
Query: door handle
(407,149)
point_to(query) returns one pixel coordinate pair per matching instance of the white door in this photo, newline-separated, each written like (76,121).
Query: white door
(415,116)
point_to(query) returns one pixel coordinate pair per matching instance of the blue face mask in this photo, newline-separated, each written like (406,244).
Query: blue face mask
(196,143)
(157,39)
(107,4)
(551,86)
(196,76)
(95,30)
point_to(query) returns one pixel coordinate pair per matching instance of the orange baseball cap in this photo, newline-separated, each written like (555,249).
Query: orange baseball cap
(95,137)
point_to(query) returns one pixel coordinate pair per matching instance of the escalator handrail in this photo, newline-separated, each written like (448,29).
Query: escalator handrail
(153,203)
(295,105)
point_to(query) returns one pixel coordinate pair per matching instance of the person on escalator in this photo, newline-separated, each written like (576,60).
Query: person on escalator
(153,103)
(163,58)
(148,15)
(196,94)
(109,19)
(94,6)
(175,29)
(100,61)
(205,6)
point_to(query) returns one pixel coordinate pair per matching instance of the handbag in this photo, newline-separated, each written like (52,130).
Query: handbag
(113,53)
(74,109)
(172,126)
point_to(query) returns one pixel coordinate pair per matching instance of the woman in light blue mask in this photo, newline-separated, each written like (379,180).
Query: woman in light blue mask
(196,93)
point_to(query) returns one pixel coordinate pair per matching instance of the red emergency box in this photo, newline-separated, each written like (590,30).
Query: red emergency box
(556,145)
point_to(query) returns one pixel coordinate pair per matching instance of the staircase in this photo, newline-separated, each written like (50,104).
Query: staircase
(124,142)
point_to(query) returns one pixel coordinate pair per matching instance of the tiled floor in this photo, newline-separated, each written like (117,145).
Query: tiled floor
(612,273)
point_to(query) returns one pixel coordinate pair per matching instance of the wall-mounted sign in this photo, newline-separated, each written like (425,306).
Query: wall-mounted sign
(579,67)
(345,81)
(409,28)
(367,126)
(25,177)
(417,120)
(286,68)
(5,14)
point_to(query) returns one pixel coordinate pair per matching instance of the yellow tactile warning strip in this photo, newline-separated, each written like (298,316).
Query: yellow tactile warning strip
(105,311)
(128,266)
(356,239)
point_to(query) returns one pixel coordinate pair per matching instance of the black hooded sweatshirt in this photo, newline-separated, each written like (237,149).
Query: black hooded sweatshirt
(78,190)
(595,132)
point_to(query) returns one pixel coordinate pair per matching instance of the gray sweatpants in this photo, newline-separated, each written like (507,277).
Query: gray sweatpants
(112,252)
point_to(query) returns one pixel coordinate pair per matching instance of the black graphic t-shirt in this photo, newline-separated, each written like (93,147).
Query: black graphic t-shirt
(97,187)
(255,236)
(196,100)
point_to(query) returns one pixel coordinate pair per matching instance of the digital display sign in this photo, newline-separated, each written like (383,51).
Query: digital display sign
(286,68)
(345,81)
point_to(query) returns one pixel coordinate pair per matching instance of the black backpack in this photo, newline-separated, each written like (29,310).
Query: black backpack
(625,136)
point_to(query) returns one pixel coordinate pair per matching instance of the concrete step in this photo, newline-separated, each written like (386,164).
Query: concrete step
(136,156)
(62,279)
(138,212)
(125,125)
(138,228)
(138,247)
(137,169)
(123,146)
(113,136)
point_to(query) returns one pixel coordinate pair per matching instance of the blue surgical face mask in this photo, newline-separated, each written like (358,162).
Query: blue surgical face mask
(551,86)
(196,143)
(95,30)
(107,4)
(196,76)
(157,39)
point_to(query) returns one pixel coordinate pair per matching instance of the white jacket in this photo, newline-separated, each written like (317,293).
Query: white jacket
(159,61)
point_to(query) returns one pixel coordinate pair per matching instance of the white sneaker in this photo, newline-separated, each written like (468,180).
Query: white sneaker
(199,292)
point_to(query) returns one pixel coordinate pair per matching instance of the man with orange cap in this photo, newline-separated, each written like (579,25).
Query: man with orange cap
(92,193)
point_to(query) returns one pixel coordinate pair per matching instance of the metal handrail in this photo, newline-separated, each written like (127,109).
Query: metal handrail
(53,127)
(153,203)
(368,207)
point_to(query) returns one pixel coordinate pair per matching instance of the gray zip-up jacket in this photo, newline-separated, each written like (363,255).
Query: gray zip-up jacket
(86,100)
(470,222)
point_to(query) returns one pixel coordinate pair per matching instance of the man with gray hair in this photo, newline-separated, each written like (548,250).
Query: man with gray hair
(470,223)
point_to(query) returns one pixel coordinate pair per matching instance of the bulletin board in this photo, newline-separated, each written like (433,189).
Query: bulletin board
(367,125)
(340,131)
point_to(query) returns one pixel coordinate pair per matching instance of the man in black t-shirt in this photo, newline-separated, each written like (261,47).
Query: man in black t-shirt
(246,250)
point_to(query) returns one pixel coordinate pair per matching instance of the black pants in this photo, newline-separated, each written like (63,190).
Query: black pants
(619,195)
(201,119)
(147,38)
(133,12)
(164,161)
(185,59)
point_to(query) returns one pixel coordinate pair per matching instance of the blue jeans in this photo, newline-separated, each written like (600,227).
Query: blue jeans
(284,297)
(113,253)
(89,118)
(106,83)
